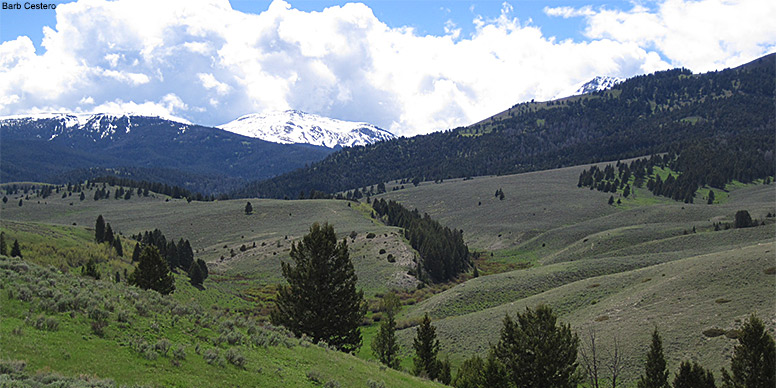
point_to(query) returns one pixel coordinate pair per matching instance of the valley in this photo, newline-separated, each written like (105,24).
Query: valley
(620,270)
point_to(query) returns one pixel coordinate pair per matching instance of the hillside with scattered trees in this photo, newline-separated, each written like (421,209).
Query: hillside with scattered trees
(668,111)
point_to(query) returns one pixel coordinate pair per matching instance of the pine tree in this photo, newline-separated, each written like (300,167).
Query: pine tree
(321,299)
(99,229)
(195,275)
(3,245)
(384,346)
(118,247)
(611,199)
(754,358)
(82,196)
(743,219)
(108,238)
(426,347)
(536,351)
(248,208)
(136,253)
(203,268)
(152,272)
(471,374)
(15,250)
(711,197)
(656,373)
(693,376)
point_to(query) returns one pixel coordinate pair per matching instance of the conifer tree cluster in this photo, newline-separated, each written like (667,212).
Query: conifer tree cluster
(179,255)
(152,272)
(103,233)
(443,253)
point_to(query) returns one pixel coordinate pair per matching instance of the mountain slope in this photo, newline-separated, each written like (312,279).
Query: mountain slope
(643,115)
(292,126)
(48,148)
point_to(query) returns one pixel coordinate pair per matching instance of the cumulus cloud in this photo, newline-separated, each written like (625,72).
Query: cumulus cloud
(701,35)
(205,62)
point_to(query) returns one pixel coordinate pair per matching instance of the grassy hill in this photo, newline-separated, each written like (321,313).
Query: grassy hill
(110,334)
(619,269)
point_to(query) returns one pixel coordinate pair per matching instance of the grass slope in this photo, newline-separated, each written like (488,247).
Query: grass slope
(148,339)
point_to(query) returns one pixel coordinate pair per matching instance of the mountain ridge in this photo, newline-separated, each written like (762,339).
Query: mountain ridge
(295,127)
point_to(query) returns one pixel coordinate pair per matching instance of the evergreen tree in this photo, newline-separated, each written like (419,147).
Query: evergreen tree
(711,197)
(656,373)
(5,199)
(99,229)
(185,254)
(3,245)
(195,275)
(203,268)
(743,219)
(108,238)
(470,374)
(495,374)
(321,299)
(82,196)
(248,208)
(536,351)
(384,346)
(445,377)
(171,255)
(611,199)
(152,272)
(118,247)
(426,347)
(754,358)
(136,253)
(15,250)
(21,202)
(693,376)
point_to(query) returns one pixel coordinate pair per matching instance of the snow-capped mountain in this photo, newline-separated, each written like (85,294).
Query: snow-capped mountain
(596,84)
(94,126)
(293,126)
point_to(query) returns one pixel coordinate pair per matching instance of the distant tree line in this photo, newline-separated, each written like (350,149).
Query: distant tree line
(145,187)
(443,254)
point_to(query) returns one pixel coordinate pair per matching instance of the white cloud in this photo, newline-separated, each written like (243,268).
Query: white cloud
(701,35)
(204,61)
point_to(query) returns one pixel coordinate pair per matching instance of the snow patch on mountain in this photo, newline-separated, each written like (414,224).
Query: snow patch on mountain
(598,83)
(97,125)
(293,126)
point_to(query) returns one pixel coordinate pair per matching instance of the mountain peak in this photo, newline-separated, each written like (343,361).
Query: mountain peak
(594,85)
(295,126)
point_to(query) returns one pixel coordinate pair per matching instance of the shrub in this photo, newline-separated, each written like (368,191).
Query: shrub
(370,235)
(212,357)
(235,358)
(179,353)
(375,384)
(162,346)
(382,251)
(332,384)
(150,354)
(314,376)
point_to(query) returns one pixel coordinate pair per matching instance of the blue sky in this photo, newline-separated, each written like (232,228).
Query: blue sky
(408,66)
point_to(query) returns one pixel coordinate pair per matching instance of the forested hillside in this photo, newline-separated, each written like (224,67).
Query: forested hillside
(667,111)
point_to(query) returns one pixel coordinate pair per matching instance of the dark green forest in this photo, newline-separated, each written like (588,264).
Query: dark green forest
(443,254)
(668,111)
